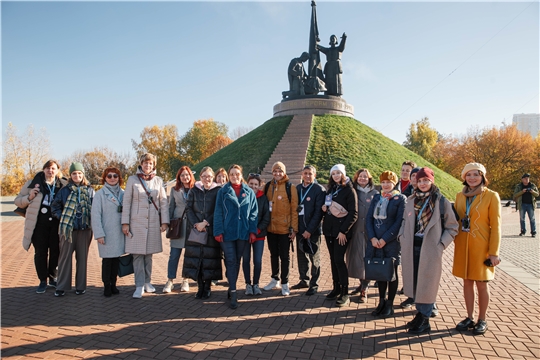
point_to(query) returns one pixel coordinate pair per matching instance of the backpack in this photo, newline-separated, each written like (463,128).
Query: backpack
(441,208)
(287,189)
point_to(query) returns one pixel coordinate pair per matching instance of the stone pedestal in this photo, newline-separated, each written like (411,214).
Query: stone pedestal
(314,105)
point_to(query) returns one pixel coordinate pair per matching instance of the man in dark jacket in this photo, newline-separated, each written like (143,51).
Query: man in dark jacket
(525,195)
(308,240)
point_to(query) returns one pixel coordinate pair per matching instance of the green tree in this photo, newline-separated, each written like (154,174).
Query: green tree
(421,138)
(202,140)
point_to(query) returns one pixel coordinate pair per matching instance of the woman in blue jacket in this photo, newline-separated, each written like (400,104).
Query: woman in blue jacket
(383,222)
(235,222)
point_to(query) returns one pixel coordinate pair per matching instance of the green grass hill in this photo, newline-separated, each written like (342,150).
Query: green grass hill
(334,139)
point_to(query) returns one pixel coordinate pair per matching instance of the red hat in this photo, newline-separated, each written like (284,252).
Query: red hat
(425,172)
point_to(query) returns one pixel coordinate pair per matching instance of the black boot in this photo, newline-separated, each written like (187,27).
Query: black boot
(332,295)
(114,289)
(114,276)
(388,310)
(379,308)
(417,318)
(422,326)
(343,299)
(107,291)
(200,285)
(234,300)
(206,291)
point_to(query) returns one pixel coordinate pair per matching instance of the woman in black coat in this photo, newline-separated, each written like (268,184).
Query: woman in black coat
(341,212)
(383,222)
(202,262)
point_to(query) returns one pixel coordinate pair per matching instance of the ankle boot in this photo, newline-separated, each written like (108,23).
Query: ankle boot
(107,291)
(206,291)
(234,300)
(421,326)
(332,295)
(200,288)
(343,299)
(379,308)
(388,310)
(114,289)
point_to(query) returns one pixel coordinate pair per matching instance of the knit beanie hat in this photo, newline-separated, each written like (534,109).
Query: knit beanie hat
(471,166)
(339,167)
(425,172)
(76,166)
(279,165)
(390,176)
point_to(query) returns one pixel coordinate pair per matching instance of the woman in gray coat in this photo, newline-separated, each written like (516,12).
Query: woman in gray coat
(354,256)
(424,235)
(107,224)
(177,209)
(145,216)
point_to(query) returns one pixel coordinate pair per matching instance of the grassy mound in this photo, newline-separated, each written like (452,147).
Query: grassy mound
(334,139)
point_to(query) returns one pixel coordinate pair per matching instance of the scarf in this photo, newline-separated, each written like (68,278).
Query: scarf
(470,192)
(140,173)
(420,199)
(70,213)
(365,189)
(380,209)
(114,194)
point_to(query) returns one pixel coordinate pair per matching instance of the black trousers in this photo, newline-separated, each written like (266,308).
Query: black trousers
(340,273)
(47,249)
(305,259)
(279,245)
(109,270)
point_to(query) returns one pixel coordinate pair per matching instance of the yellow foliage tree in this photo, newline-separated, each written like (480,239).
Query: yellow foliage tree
(422,138)
(202,140)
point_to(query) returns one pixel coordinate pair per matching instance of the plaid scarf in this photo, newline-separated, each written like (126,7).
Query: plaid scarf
(69,213)
(420,199)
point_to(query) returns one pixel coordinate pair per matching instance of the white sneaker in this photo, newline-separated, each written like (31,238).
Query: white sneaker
(185,286)
(273,284)
(285,290)
(168,286)
(149,288)
(138,292)
(256,290)
(249,289)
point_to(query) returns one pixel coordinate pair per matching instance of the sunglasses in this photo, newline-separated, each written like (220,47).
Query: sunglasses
(255,175)
(110,176)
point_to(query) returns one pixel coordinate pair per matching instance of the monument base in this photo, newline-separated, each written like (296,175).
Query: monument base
(316,105)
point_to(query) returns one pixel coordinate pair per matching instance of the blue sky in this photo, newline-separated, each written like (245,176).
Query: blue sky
(96,73)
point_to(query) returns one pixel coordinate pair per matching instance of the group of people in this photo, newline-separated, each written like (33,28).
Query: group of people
(228,218)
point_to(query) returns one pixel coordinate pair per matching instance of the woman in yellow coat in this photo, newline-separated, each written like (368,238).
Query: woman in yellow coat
(477,243)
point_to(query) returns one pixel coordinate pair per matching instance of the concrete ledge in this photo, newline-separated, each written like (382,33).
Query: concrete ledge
(315,106)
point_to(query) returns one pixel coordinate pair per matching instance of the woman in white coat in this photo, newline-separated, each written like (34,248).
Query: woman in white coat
(144,201)
(107,225)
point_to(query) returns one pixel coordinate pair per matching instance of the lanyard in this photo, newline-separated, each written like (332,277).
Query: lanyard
(302,196)
(423,207)
(114,196)
(468,205)
(51,189)
(334,194)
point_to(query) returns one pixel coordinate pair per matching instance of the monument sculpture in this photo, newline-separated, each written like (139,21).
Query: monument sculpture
(332,68)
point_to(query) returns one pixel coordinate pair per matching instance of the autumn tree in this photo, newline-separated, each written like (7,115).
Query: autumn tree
(421,138)
(202,140)
(162,142)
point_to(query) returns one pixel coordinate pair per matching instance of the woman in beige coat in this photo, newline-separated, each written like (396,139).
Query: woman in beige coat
(424,235)
(144,201)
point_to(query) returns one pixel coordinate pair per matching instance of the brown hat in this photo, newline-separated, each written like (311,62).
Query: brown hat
(279,165)
(390,176)
(425,172)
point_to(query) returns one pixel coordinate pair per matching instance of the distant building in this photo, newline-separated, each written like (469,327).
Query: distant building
(529,123)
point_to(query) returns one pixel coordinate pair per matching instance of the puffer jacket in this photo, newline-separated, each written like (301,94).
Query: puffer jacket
(206,258)
(347,198)
(283,214)
(235,217)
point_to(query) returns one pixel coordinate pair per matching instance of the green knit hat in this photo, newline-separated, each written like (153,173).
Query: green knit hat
(76,166)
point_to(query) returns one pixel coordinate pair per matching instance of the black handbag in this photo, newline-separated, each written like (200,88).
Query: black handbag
(125,265)
(379,269)
(175,229)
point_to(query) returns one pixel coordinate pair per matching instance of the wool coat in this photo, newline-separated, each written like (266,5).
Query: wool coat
(235,217)
(473,248)
(142,217)
(107,223)
(202,258)
(386,229)
(283,214)
(436,240)
(312,202)
(177,206)
(345,197)
(354,255)
(32,210)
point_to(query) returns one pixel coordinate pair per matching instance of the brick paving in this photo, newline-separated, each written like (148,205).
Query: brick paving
(159,326)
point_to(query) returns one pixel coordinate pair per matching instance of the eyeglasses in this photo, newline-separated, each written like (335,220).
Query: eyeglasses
(206,176)
(110,176)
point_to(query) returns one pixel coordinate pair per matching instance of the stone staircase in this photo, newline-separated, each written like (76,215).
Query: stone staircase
(292,149)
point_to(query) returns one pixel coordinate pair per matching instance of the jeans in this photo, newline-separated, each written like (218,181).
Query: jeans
(258,248)
(424,309)
(529,210)
(233,251)
(304,260)
(172,266)
(279,245)
(340,273)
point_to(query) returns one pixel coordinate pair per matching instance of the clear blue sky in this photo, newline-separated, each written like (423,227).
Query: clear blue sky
(96,73)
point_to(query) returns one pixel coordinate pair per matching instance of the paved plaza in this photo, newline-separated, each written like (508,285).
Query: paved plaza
(176,325)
